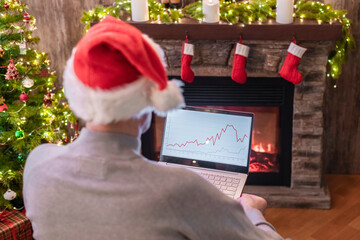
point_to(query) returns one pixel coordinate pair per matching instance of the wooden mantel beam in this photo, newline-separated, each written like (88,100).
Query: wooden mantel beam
(303,30)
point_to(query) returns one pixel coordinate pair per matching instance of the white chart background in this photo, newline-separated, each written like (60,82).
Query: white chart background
(191,134)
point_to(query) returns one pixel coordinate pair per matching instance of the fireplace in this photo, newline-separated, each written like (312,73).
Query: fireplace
(291,128)
(214,48)
(270,99)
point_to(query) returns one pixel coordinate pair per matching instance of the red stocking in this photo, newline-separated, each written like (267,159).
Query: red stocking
(187,54)
(238,73)
(289,69)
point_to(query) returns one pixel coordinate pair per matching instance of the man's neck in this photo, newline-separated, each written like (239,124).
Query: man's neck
(128,127)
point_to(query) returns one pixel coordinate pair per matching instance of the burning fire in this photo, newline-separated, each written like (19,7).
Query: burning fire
(269,148)
(264,158)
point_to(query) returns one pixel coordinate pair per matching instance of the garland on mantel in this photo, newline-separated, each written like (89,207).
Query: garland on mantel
(244,12)
(121,8)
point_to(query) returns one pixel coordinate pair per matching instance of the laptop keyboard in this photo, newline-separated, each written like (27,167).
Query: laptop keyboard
(227,185)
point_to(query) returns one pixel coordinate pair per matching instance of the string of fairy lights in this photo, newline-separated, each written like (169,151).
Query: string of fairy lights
(241,12)
(157,12)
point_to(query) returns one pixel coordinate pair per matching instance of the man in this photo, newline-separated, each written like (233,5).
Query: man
(100,186)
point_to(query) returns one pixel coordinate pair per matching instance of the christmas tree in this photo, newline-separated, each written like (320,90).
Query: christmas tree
(32,111)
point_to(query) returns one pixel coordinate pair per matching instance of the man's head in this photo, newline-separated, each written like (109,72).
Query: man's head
(116,73)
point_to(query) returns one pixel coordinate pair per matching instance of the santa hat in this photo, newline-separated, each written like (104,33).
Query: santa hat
(115,73)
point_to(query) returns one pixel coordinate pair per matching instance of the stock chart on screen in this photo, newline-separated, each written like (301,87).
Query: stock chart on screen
(207,136)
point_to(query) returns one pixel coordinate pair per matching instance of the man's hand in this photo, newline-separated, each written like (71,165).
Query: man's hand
(249,201)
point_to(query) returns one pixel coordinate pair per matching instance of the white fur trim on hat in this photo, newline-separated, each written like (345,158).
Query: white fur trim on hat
(121,103)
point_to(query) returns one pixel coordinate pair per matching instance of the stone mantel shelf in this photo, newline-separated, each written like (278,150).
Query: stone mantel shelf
(303,30)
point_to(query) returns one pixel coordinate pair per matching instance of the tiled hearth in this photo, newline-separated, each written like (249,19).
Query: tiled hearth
(214,58)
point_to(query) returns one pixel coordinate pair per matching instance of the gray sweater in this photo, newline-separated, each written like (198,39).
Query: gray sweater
(100,187)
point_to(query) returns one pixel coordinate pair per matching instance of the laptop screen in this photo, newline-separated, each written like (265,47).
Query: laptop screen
(208,138)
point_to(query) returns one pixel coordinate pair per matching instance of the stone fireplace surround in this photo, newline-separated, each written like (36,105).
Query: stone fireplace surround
(268,42)
(214,58)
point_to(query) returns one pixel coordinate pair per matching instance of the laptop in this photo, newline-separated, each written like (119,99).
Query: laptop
(216,144)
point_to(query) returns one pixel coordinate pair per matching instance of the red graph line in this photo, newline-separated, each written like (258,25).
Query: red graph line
(213,139)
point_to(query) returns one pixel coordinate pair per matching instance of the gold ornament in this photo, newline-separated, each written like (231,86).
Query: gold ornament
(2,52)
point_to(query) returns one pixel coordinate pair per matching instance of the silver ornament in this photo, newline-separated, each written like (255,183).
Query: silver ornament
(27,82)
(10,195)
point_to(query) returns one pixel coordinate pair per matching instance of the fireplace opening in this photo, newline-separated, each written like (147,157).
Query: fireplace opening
(271,101)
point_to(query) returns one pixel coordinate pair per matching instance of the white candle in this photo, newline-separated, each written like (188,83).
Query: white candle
(139,10)
(211,11)
(284,11)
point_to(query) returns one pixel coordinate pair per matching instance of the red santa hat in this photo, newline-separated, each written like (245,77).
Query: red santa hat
(115,73)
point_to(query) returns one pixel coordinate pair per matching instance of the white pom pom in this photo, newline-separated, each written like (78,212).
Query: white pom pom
(167,99)
(10,195)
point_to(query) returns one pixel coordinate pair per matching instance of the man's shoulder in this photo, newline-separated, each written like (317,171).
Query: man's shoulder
(42,150)
(41,154)
(45,146)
